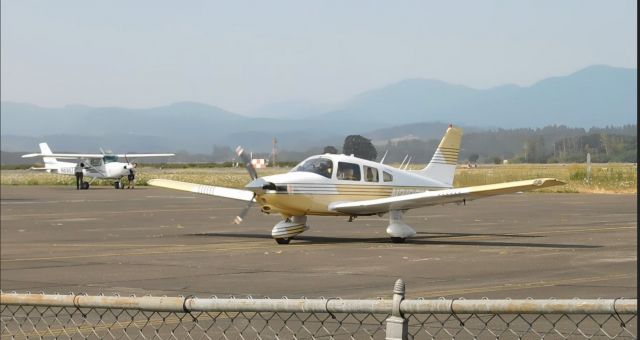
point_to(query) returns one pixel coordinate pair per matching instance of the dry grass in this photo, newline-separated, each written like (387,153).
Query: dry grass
(605,178)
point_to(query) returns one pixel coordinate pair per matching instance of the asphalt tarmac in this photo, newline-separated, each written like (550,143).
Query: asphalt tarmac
(163,242)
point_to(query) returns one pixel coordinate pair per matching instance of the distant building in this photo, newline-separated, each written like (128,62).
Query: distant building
(259,163)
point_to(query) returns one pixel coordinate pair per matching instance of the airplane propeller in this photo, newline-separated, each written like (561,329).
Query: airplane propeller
(254,175)
(247,162)
(240,217)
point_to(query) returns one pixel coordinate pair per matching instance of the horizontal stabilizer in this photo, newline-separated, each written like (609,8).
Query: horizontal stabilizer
(236,194)
(424,199)
(39,169)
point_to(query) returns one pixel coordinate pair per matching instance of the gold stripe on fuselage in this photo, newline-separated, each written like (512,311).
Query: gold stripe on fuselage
(314,199)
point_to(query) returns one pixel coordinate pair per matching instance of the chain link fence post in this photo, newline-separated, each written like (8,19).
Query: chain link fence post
(397,325)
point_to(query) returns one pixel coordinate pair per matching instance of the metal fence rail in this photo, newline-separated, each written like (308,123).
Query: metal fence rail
(99,317)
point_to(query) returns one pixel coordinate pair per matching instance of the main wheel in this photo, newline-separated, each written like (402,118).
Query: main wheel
(85,185)
(285,240)
(398,239)
(118,185)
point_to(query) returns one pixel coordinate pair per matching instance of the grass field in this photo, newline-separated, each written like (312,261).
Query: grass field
(605,178)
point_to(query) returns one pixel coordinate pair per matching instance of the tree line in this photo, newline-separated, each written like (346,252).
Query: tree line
(550,144)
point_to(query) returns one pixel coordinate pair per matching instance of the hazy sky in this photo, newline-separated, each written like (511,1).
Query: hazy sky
(243,55)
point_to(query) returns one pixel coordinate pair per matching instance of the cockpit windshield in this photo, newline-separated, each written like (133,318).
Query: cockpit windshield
(321,166)
(110,159)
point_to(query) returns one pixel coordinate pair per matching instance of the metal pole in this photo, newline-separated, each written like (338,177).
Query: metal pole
(397,325)
(588,167)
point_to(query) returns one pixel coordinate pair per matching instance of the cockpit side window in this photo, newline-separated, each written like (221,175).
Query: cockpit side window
(348,171)
(95,161)
(370,174)
(387,176)
(320,166)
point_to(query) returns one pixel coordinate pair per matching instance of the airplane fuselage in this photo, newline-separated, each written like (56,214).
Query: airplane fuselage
(113,170)
(304,192)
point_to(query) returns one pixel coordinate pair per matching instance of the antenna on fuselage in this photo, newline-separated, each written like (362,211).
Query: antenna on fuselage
(408,162)
(405,158)
(383,157)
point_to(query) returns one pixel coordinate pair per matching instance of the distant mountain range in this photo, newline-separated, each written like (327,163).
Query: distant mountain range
(594,96)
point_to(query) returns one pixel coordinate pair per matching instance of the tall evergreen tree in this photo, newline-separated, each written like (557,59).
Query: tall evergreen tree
(360,147)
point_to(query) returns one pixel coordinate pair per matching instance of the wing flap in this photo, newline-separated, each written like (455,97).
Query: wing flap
(236,194)
(424,199)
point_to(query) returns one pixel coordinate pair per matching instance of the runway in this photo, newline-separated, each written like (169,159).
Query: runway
(163,242)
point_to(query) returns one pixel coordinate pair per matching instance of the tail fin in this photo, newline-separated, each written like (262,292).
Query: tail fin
(443,163)
(49,162)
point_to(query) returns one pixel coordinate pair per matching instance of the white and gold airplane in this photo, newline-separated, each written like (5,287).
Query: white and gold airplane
(341,185)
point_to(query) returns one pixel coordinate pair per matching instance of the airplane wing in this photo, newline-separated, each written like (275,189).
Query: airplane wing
(237,194)
(141,155)
(456,195)
(65,155)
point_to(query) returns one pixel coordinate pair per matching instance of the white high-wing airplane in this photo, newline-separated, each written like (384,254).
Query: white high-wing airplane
(340,185)
(103,166)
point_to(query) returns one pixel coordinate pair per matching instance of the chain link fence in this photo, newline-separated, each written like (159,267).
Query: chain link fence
(39,316)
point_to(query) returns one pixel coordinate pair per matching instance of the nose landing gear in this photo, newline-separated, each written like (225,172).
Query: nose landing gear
(286,230)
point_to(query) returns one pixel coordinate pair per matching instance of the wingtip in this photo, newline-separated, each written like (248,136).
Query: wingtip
(154,181)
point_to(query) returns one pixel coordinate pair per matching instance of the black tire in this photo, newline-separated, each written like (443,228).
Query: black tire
(398,239)
(117,185)
(285,240)
(85,185)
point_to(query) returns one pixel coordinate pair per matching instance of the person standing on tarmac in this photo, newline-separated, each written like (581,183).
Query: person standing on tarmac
(79,175)
(132,176)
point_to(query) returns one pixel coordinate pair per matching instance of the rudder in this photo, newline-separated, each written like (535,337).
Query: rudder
(48,161)
(442,166)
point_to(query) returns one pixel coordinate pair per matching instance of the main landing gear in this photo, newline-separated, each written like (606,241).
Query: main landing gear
(118,185)
(286,230)
(84,185)
(397,229)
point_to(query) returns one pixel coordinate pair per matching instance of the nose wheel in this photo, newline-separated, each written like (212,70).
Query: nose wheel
(118,185)
(283,240)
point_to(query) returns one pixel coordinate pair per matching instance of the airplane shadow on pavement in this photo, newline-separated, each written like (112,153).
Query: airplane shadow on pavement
(421,238)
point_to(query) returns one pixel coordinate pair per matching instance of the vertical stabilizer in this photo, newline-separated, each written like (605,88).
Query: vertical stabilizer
(49,162)
(443,163)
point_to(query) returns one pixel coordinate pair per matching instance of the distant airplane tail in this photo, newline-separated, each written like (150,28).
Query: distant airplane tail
(49,162)
(442,166)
